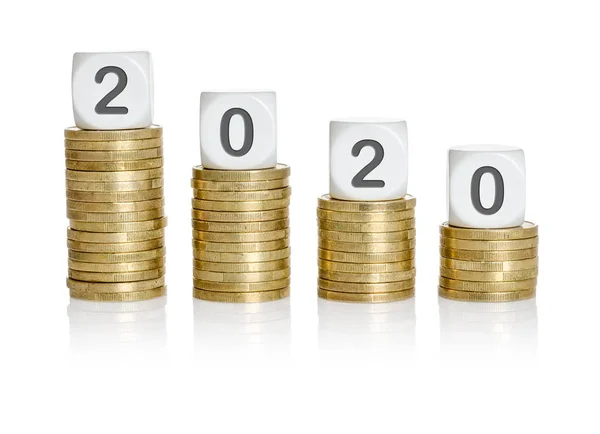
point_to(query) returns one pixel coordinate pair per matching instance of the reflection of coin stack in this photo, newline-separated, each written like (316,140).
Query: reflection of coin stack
(115,206)
(366,250)
(241,234)
(488,264)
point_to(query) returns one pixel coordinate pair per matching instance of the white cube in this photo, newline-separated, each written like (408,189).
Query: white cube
(238,130)
(486,186)
(112,91)
(368,159)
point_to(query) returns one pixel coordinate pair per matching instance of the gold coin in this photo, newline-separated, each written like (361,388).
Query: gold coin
(211,205)
(117,196)
(114,258)
(141,285)
(461,285)
(453,243)
(138,246)
(241,286)
(134,175)
(148,225)
(278,172)
(368,237)
(367,278)
(486,296)
(481,255)
(242,267)
(526,230)
(124,267)
(119,296)
(198,184)
(263,276)
(401,225)
(366,258)
(489,266)
(207,246)
(243,196)
(330,204)
(114,166)
(273,225)
(255,216)
(140,154)
(241,237)
(113,145)
(388,267)
(340,246)
(240,257)
(151,132)
(118,217)
(366,288)
(144,205)
(489,276)
(385,297)
(116,277)
(147,184)
(242,297)
(370,217)
(114,237)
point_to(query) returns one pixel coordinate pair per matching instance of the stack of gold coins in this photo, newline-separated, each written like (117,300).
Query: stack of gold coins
(241,234)
(366,250)
(115,206)
(488,264)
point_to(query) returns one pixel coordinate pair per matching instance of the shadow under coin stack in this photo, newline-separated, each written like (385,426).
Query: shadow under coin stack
(115,206)
(241,234)
(491,265)
(366,250)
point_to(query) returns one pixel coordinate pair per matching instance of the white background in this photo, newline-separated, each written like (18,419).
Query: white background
(519,73)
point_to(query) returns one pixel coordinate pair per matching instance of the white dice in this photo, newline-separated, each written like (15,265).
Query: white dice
(486,186)
(368,159)
(112,91)
(238,130)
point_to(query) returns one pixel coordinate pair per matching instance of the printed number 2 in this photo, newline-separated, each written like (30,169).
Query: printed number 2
(359,180)
(102,106)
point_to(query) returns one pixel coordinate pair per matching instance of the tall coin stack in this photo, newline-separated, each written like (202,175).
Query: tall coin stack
(488,264)
(366,250)
(115,206)
(241,234)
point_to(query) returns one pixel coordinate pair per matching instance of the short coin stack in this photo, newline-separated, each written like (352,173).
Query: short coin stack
(488,264)
(241,234)
(115,206)
(366,250)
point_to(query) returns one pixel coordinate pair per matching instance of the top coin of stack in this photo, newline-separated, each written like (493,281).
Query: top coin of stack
(241,234)
(115,206)
(366,249)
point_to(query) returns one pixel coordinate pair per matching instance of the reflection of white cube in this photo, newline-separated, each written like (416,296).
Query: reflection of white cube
(368,159)
(238,130)
(486,186)
(112,91)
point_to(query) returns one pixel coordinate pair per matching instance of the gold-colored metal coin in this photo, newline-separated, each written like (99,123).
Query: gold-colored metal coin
(486,296)
(119,217)
(273,184)
(388,267)
(241,237)
(151,132)
(273,225)
(211,205)
(114,237)
(370,217)
(241,286)
(119,296)
(482,255)
(148,225)
(208,246)
(243,196)
(139,154)
(147,184)
(271,255)
(255,216)
(367,278)
(401,225)
(242,267)
(489,266)
(526,230)
(133,276)
(366,288)
(134,175)
(489,276)
(123,267)
(115,258)
(327,203)
(144,205)
(117,196)
(113,145)
(462,285)
(263,276)
(138,246)
(278,172)
(114,166)
(385,297)
(242,297)
(340,246)
(368,237)
(142,285)
(453,243)
(366,258)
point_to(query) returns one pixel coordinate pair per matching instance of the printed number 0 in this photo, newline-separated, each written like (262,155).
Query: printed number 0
(248,132)
(102,106)
(476,190)
(359,180)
